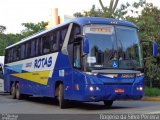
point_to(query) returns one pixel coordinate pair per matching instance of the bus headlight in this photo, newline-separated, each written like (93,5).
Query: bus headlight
(97,88)
(139,88)
(139,74)
(91,88)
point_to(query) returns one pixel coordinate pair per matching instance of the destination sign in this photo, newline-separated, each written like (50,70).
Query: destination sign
(99,29)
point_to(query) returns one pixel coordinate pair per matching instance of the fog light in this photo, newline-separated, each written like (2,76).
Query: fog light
(91,88)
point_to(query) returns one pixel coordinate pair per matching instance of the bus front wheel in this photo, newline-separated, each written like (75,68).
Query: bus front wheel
(108,103)
(62,102)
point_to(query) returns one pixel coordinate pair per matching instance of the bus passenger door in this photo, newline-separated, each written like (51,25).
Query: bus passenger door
(77,56)
(78,77)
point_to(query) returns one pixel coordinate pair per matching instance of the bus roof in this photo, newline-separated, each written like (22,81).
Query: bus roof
(81,21)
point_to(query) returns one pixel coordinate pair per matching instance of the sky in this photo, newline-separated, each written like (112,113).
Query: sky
(15,12)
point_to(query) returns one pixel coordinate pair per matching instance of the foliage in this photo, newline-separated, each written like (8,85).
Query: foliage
(148,22)
(112,11)
(2,28)
(151,91)
(149,27)
(93,12)
(30,28)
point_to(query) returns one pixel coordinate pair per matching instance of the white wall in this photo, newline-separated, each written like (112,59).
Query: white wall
(1,81)
(1,59)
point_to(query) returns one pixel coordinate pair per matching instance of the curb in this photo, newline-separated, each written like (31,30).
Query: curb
(151,99)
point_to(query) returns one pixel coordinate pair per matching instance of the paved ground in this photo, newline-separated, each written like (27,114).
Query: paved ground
(37,105)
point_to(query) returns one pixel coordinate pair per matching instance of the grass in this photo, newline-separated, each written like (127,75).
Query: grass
(152,91)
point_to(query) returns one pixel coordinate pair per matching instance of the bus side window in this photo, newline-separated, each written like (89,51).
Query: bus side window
(53,45)
(33,48)
(75,30)
(11,55)
(63,35)
(77,56)
(22,51)
(7,56)
(58,39)
(28,49)
(46,44)
(16,53)
(38,46)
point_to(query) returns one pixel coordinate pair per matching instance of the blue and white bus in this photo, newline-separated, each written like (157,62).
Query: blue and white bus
(84,59)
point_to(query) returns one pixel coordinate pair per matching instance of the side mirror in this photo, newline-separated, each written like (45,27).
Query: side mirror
(155,49)
(85,45)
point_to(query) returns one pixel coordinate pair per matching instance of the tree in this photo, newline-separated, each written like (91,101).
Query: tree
(6,40)
(149,27)
(2,28)
(92,12)
(104,12)
(148,23)
(30,28)
(112,11)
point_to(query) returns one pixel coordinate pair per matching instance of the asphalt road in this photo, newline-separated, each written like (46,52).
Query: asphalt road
(38,105)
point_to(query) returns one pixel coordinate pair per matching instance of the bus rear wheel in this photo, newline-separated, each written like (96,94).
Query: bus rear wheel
(13,91)
(18,95)
(62,102)
(108,103)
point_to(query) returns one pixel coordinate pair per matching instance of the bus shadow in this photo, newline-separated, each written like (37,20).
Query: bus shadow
(94,106)
(73,104)
(42,100)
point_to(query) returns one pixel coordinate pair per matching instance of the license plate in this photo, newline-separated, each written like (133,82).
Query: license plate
(119,90)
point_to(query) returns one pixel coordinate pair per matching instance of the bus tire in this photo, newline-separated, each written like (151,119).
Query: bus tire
(61,100)
(13,91)
(108,103)
(18,95)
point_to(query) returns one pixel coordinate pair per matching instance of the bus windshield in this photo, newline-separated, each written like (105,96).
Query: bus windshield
(113,47)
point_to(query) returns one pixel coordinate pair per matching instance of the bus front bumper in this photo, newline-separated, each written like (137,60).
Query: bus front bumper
(112,92)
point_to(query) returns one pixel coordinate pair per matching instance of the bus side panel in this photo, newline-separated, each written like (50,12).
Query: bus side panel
(79,83)
(6,81)
(62,72)
(8,78)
